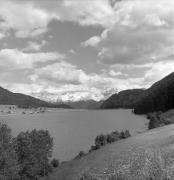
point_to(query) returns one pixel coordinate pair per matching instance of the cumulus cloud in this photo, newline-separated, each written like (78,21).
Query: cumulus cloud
(158,71)
(72,51)
(62,80)
(35,46)
(67,81)
(31,18)
(61,72)
(98,12)
(24,18)
(142,32)
(16,59)
(93,41)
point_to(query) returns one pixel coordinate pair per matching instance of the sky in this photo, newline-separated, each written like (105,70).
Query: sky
(84,49)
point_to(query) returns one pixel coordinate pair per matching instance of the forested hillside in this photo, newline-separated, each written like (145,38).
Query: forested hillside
(159,97)
(124,99)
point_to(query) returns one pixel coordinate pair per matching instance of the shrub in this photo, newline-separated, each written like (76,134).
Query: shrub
(113,136)
(122,135)
(101,140)
(127,134)
(34,150)
(110,138)
(155,120)
(81,154)
(94,147)
(55,163)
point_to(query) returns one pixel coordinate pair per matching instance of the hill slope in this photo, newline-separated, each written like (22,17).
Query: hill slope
(159,97)
(138,157)
(124,99)
(9,98)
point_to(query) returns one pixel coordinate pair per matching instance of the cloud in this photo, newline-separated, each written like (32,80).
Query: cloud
(16,59)
(34,46)
(61,72)
(31,18)
(71,51)
(57,78)
(141,32)
(62,80)
(113,73)
(93,41)
(158,71)
(98,12)
(85,13)
(67,81)
(24,18)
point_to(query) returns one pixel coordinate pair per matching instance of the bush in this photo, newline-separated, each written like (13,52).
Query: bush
(55,163)
(124,134)
(155,120)
(34,150)
(94,147)
(80,155)
(101,140)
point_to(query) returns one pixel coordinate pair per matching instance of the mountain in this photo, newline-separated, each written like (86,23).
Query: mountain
(159,97)
(88,104)
(9,98)
(124,99)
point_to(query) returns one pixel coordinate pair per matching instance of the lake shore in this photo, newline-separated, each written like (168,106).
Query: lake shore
(14,110)
(145,155)
(76,126)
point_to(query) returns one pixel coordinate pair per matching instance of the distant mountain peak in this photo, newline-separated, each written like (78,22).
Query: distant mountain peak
(9,98)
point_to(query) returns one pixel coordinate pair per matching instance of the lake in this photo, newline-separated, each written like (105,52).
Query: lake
(75,130)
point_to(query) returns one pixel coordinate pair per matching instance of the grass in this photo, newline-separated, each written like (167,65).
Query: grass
(148,165)
(147,156)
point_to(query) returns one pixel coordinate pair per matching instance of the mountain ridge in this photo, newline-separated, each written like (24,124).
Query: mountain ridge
(9,98)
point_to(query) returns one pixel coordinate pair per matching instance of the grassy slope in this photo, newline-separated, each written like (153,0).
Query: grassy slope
(127,156)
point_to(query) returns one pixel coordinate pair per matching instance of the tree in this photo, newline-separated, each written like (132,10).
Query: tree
(8,159)
(34,149)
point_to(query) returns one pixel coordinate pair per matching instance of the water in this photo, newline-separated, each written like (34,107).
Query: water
(74,131)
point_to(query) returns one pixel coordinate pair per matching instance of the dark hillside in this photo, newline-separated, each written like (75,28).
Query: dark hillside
(159,97)
(9,98)
(124,99)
